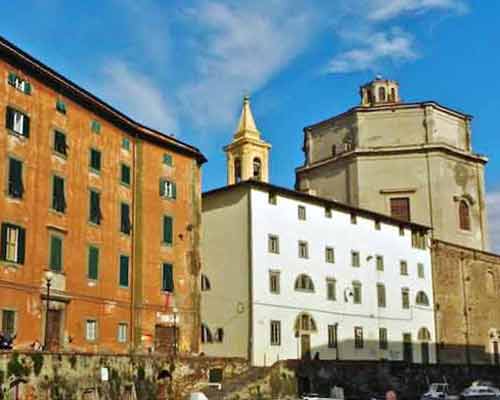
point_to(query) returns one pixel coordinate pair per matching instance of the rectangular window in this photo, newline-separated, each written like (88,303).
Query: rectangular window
(56,253)
(377,225)
(275,333)
(303,249)
(401,230)
(122,335)
(329,255)
(13,240)
(358,337)
(328,212)
(274,282)
(19,83)
(418,239)
(356,293)
(61,106)
(95,207)
(219,335)
(332,336)
(168,230)
(124,267)
(95,160)
(168,160)
(403,267)
(354,218)
(60,145)
(93,263)
(381,295)
(405,298)
(301,210)
(17,122)
(58,195)
(95,126)
(8,322)
(382,339)
(125,218)
(400,208)
(380,263)
(355,262)
(272,198)
(168,189)
(126,144)
(15,187)
(421,271)
(167,278)
(125,174)
(331,289)
(273,244)
(91,330)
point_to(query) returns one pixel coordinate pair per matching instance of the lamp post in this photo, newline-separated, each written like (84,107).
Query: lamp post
(175,310)
(48,279)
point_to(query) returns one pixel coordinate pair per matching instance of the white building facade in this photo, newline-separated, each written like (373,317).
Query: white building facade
(287,275)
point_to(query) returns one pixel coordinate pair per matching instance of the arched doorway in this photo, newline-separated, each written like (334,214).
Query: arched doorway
(257,169)
(304,327)
(424,337)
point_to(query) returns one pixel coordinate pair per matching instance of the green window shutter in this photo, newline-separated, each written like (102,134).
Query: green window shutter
(174,190)
(60,142)
(168,230)
(124,266)
(93,263)
(162,188)
(60,106)
(58,199)
(9,118)
(15,188)
(55,253)
(95,159)
(126,144)
(95,207)
(3,239)
(168,278)
(12,78)
(95,126)
(21,245)
(27,88)
(26,126)
(125,218)
(167,160)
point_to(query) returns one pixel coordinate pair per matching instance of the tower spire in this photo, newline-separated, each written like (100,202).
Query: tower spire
(246,125)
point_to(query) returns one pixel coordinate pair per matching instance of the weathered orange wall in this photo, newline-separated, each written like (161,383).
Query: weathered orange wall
(21,287)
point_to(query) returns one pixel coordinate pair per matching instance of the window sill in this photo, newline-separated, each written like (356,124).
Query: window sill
(11,264)
(125,185)
(62,156)
(58,213)
(18,135)
(167,245)
(95,172)
(94,224)
(13,199)
(124,287)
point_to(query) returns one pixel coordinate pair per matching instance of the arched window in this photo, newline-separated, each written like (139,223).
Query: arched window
(237,170)
(304,283)
(369,96)
(422,299)
(205,283)
(381,94)
(490,283)
(393,95)
(424,335)
(305,323)
(206,335)
(257,168)
(464,215)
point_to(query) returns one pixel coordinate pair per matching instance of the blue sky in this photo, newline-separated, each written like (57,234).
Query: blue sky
(183,66)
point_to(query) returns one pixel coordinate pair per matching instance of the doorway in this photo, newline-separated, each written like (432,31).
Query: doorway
(496,357)
(166,339)
(425,352)
(53,334)
(407,348)
(305,347)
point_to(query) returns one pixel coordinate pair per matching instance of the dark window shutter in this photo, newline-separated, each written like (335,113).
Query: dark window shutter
(3,239)
(124,261)
(162,188)
(12,78)
(167,230)
(400,208)
(59,201)
(125,174)
(9,118)
(16,188)
(55,253)
(26,126)
(60,142)
(125,218)
(168,278)
(174,190)
(27,88)
(93,263)
(21,246)
(95,207)
(95,159)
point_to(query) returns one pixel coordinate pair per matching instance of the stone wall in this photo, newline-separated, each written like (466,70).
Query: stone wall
(466,285)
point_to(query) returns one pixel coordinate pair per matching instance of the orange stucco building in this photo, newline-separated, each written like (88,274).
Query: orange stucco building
(106,209)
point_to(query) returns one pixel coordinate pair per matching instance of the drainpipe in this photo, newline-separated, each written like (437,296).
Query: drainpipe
(466,313)
(132,246)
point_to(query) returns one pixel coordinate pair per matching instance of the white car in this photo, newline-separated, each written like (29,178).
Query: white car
(481,390)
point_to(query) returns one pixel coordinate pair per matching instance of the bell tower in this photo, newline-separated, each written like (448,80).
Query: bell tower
(247,155)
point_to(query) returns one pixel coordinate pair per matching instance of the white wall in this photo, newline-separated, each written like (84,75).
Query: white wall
(337,232)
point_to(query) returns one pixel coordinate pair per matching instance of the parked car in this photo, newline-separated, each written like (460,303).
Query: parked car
(481,390)
(438,391)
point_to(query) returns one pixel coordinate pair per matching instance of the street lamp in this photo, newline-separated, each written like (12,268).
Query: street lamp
(48,278)
(175,310)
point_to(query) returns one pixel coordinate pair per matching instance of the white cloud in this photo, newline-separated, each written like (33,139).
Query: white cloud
(493,204)
(387,9)
(242,48)
(396,46)
(138,96)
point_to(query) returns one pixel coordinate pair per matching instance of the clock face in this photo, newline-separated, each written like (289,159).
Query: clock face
(461,174)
